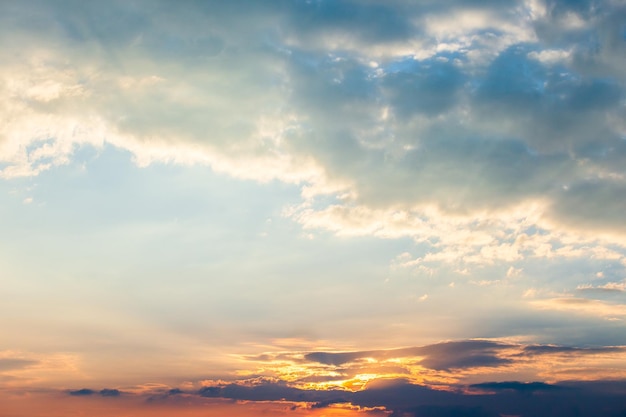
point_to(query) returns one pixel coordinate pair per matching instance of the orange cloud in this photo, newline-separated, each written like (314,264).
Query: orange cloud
(60,405)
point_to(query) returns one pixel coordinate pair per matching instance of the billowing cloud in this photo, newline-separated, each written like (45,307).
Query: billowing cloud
(400,398)
(81,392)
(498,120)
(438,365)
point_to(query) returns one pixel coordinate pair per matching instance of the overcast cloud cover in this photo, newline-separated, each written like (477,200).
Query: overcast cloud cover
(198,184)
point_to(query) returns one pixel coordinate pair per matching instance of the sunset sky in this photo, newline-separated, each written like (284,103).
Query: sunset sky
(312,208)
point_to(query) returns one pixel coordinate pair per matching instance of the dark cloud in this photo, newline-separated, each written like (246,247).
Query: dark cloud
(529,128)
(461,355)
(441,356)
(601,398)
(367,21)
(594,205)
(329,358)
(270,391)
(106,392)
(599,386)
(538,399)
(429,87)
(513,82)
(583,7)
(444,411)
(449,129)
(515,386)
(551,349)
(82,392)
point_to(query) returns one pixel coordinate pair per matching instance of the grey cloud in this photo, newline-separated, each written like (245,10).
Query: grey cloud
(429,87)
(444,130)
(598,45)
(445,411)
(602,290)
(441,356)
(82,392)
(597,205)
(582,7)
(598,386)
(552,349)
(336,359)
(8,364)
(515,386)
(370,21)
(270,392)
(553,111)
(449,356)
(512,80)
(357,25)
(601,398)
(529,126)
(106,392)
(462,355)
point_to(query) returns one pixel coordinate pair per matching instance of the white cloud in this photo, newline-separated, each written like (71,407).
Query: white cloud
(461,240)
(550,56)
(468,152)
(583,306)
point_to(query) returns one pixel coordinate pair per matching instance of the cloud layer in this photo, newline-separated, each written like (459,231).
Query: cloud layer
(465,107)
(383,389)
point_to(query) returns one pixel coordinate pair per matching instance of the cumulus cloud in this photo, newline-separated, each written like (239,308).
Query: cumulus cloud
(105,392)
(474,377)
(82,392)
(443,356)
(438,365)
(489,133)
(320,106)
(611,287)
(393,397)
(601,398)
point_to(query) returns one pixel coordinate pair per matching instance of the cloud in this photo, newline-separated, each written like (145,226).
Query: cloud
(448,378)
(431,125)
(460,355)
(396,398)
(515,386)
(609,287)
(439,365)
(105,392)
(428,87)
(488,133)
(441,356)
(7,364)
(607,310)
(82,392)
(402,398)
(572,350)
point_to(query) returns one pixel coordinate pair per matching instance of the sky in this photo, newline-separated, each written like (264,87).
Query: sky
(313,208)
